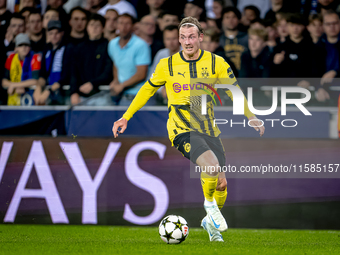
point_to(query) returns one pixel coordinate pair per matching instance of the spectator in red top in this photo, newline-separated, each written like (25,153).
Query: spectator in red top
(21,72)
(7,44)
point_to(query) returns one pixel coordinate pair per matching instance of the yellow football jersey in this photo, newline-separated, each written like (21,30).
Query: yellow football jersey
(180,76)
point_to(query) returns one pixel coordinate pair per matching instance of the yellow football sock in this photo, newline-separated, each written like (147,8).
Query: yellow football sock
(220,197)
(209,184)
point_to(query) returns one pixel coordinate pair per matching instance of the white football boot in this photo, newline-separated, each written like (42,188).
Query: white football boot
(216,218)
(214,235)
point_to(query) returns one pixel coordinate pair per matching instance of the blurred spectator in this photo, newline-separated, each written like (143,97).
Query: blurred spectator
(55,4)
(16,26)
(26,3)
(172,46)
(151,7)
(94,6)
(25,12)
(315,28)
(5,16)
(70,4)
(167,18)
(121,6)
(63,16)
(257,24)
(196,9)
(35,31)
(131,57)
(51,68)
(310,7)
(325,5)
(211,43)
(147,29)
(211,23)
(282,28)
(294,57)
(262,5)
(277,6)
(232,40)
(93,68)
(111,17)
(18,5)
(51,14)
(78,22)
(7,44)
(21,72)
(257,60)
(218,6)
(272,34)
(250,14)
(329,50)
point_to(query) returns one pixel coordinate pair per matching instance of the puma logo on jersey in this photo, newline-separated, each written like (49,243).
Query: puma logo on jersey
(182,74)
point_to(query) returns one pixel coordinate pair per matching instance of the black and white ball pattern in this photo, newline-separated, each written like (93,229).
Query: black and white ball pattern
(173,229)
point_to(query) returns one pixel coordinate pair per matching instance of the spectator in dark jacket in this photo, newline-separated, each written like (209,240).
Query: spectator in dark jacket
(211,43)
(51,73)
(92,67)
(328,49)
(249,15)
(294,58)
(315,28)
(232,40)
(7,44)
(36,33)
(5,16)
(257,60)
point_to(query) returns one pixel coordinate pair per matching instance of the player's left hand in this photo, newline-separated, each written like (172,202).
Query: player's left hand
(257,125)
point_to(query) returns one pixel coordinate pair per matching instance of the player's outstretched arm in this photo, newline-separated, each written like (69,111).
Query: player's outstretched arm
(257,124)
(119,127)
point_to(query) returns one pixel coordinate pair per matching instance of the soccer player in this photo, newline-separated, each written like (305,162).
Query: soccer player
(194,136)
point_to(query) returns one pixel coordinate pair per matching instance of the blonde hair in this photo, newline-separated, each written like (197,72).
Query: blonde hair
(259,32)
(191,22)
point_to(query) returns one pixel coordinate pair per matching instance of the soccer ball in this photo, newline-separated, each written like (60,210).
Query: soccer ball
(173,229)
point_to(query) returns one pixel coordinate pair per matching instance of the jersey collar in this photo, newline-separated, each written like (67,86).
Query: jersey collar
(189,61)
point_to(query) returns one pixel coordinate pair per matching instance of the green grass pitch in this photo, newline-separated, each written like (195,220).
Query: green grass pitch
(63,239)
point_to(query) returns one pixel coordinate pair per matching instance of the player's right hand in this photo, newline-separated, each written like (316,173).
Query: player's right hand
(122,124)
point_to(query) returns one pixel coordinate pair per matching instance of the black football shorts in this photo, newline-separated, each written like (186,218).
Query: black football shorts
(193,144)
